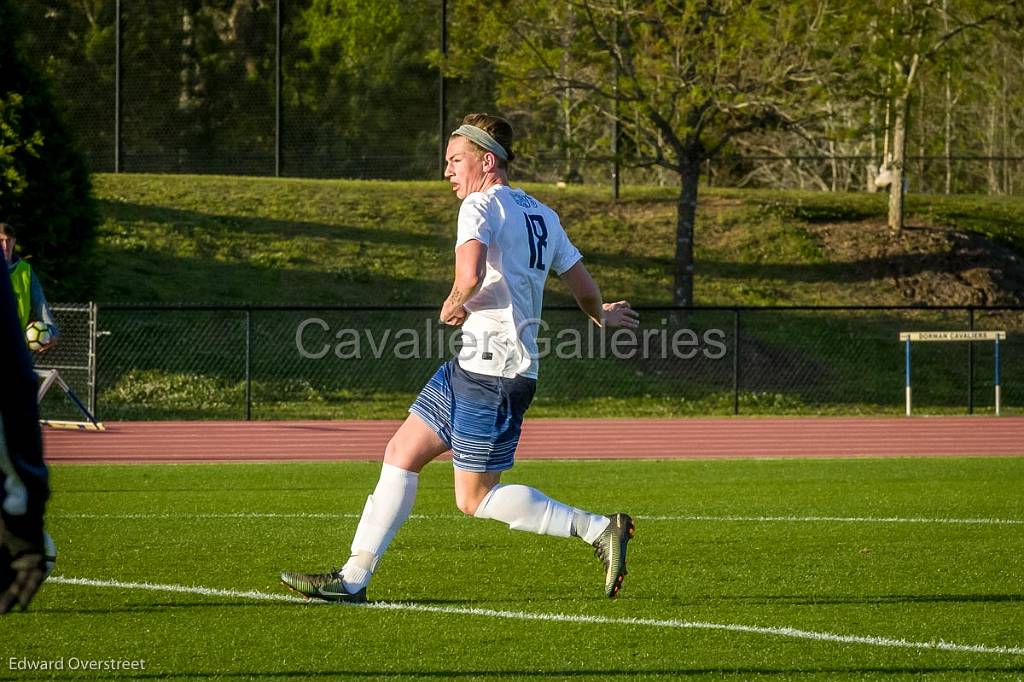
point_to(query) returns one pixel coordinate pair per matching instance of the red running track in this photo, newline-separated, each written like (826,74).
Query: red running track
(211,441)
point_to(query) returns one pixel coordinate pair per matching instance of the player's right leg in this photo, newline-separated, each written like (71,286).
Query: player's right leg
(413,446)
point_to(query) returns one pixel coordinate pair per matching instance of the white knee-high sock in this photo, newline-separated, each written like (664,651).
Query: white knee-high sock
(526,508)
(385,511)
(588,526)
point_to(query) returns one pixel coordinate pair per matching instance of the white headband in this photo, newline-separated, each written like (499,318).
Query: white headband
(482,138)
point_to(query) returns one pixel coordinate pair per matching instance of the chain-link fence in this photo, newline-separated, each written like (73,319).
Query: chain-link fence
(923,174)
(74,357)
(248,87)
(313,89)
(274,362)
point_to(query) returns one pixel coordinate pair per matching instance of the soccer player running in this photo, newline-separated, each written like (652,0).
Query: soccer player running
(474,404)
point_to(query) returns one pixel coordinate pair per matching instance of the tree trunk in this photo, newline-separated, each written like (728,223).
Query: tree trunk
(565,101)
(686,216)
(833,164)
(1005,129)
(922,139)
(192,79)
(872,169)
(948,136)
(899,151)
(993,180)
(948,127)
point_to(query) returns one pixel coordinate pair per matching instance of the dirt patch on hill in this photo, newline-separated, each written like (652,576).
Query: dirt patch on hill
(927,265)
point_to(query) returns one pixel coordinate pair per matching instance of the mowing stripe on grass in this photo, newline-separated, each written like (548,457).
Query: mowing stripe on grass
(796,633)
(439,517)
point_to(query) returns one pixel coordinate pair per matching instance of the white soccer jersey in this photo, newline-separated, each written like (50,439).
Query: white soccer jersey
(524,241)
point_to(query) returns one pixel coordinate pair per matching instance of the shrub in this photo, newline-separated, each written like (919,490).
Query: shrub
(45,190)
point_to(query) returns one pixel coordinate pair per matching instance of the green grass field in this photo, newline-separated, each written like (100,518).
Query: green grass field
(740,570)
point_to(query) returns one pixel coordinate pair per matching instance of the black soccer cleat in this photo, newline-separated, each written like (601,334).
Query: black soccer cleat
(325,586)
(611,549)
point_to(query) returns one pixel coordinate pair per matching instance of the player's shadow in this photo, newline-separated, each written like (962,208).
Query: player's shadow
(163,607)
(433,601)
(470,603)
(811,599)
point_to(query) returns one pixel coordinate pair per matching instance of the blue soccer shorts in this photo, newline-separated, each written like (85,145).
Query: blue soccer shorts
(478,416)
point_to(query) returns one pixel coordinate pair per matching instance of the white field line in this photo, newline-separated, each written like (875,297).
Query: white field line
(841,519)
(439,517)
(937,645)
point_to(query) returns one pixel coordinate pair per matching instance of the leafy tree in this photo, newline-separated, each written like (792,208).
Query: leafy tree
(360,90)
(44,182)
(72,45)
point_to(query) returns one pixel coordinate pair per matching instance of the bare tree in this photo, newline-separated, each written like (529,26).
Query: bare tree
(691,78)
(912,35)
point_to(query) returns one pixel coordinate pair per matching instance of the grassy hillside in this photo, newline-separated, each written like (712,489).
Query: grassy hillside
(264,240)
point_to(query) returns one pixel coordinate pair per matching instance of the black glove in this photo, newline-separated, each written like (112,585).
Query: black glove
(22,570)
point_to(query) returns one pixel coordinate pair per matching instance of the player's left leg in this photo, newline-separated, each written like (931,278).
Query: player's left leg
(523,508)
(485,434)
(528,509)
(486,426)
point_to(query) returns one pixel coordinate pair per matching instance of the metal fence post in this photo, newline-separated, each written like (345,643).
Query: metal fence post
(908,391)
(998,382)
(117,88)
(970,362)
(442,95)
(248,363)
(93,356)
(616,125)
(736,361)
(277,95)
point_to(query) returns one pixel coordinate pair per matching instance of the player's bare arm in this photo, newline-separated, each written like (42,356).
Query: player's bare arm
(588,296)
(470,266)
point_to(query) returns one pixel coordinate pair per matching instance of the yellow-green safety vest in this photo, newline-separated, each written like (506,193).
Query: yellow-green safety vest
(21,282)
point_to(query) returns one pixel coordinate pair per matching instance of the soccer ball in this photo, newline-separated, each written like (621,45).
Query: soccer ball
(50,553)
(37,335)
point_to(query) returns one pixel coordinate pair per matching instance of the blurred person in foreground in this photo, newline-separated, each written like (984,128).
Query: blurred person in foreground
(24,479)
(507,242)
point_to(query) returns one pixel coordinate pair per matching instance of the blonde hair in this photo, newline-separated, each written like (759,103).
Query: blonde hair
(496,127)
